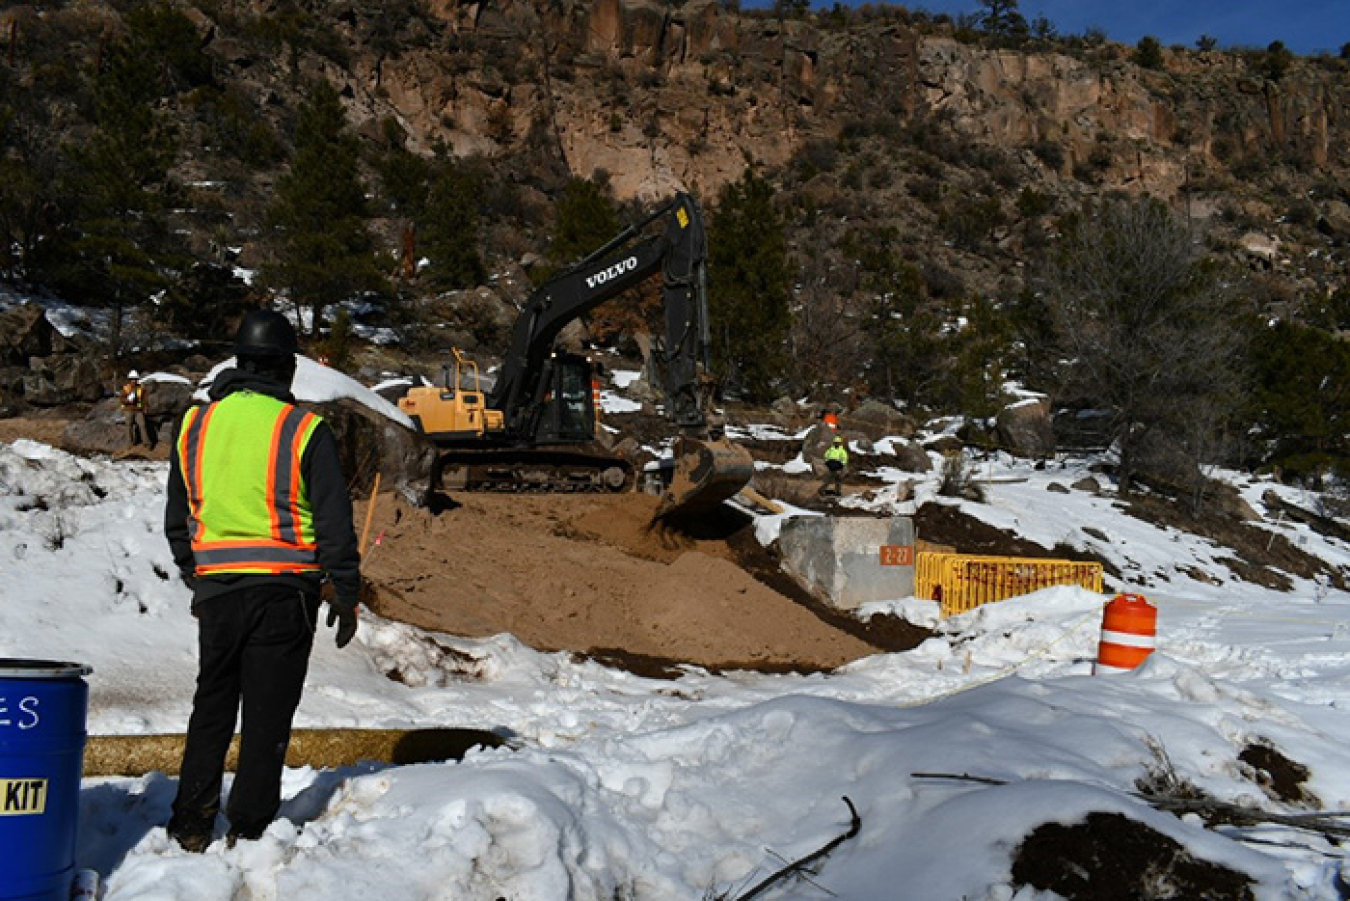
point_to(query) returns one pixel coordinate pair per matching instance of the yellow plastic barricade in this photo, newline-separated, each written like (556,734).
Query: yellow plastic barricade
(962,582)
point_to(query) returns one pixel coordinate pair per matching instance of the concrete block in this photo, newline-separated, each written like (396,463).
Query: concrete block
(850,561)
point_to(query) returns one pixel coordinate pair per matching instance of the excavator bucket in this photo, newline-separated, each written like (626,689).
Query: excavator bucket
(706,473)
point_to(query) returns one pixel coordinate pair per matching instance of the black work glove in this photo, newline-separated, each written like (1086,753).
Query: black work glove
(343,613)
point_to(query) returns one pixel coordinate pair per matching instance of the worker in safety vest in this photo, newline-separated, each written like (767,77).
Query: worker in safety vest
(257,514)
(133,407)
(836,459)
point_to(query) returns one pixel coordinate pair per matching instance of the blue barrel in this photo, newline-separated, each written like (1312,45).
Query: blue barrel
(42,717)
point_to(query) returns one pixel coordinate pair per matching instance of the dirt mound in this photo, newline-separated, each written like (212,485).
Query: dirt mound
(585,573)
(1109,856)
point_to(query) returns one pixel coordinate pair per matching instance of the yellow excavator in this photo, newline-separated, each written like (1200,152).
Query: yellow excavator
(535,428)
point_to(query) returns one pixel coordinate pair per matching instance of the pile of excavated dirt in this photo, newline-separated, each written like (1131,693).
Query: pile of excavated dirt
(586,573)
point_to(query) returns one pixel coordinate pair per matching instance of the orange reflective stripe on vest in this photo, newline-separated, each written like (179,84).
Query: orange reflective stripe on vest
(248,511)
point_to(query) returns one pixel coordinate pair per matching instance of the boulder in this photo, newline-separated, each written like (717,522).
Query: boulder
(102,431)
(1088,484)
(25,332)
(879,420)
(912,457)
(62,379)
(166,399)
(371,443)
(1024,429)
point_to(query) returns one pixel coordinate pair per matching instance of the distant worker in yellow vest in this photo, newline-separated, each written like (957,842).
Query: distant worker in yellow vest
(133,408)
(836,460)
(257,514)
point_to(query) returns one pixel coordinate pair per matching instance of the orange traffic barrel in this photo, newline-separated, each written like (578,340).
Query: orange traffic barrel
(1129,634)
(831,420)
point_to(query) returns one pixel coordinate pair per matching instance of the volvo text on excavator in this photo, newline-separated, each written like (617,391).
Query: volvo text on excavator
(535,428)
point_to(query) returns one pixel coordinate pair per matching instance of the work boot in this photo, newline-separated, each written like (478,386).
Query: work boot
(193,835)
(194,842)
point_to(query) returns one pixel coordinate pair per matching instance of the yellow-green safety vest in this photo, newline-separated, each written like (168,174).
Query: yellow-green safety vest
(248,509)
(837,452)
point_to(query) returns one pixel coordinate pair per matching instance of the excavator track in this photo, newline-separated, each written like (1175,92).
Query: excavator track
(547,469)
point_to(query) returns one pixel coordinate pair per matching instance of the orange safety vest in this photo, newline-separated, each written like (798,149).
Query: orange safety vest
(248,507)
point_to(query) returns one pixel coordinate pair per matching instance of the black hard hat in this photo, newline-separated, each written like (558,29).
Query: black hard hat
(266,333)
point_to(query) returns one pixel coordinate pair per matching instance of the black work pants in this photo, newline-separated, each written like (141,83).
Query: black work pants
(254,646)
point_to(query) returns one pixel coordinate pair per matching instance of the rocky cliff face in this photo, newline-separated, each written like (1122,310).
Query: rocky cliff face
(882,116)
(662,97)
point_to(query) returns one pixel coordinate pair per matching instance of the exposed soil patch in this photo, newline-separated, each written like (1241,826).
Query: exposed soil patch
(1281,778)
(1110,857)
(946,525)
(47,431)
(1262,557)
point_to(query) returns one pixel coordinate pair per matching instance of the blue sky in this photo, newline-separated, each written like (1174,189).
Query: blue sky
(1306,27)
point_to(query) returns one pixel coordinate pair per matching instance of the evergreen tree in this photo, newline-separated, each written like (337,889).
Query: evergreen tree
(449,228)
(117,249)
(749,286)
(1143,325)
(587,218)
(1148,53)
(322,251)
(1301,399)
(1002,18)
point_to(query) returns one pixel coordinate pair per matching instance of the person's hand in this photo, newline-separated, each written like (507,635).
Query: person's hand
(343,612)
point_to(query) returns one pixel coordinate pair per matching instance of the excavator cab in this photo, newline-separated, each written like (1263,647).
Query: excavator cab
(567,410)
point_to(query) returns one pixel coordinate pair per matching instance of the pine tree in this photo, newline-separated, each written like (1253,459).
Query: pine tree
(117,250)
(749,286)
(1144,326)
(587,219)
(323,252)
(449,228)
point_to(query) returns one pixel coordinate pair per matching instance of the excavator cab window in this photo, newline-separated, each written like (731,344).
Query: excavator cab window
(569,411)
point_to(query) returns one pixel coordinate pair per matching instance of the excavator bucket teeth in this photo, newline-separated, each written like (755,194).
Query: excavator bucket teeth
(706,473)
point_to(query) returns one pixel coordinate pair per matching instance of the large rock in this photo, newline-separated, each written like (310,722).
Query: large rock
(1024,429)
(62,379)
(878,420)
(25,332)
(102,431)
(849,561)
(371,443)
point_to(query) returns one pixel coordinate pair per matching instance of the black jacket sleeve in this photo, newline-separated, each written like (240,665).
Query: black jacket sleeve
(176,518)
(332,507)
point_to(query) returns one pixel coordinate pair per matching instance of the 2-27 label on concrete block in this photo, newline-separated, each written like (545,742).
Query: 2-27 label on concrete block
(22,797)
(897,555)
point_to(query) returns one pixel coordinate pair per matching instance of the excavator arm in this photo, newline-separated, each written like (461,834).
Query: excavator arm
(679,253)
(706,471)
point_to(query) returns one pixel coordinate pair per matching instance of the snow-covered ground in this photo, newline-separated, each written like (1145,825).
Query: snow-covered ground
(619,787)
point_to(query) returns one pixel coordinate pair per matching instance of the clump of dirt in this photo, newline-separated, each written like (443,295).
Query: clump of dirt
(1110,857)
(586,573)
(1281,778)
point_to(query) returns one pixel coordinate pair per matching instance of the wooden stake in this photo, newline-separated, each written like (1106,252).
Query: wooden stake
(370,513)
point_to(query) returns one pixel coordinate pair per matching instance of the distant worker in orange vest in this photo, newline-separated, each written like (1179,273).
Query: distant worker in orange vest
(133,408)
(257,514)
